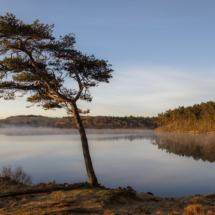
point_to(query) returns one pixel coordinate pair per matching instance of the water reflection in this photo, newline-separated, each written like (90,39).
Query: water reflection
(200,146)
(120,158)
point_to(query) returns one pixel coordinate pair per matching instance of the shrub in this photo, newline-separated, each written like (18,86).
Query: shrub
(18,174)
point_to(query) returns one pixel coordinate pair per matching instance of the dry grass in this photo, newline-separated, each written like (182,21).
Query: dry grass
(88,200)
(194,210)
(210,196)
(176,212)
(14,203)
(109,212)
(24,200)
(14,180)
(196,200)
(159,213)
(9,185)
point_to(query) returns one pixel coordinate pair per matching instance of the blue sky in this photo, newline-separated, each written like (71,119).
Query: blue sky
(162,52)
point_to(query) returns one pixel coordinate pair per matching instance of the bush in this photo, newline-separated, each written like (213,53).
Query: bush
(18,174)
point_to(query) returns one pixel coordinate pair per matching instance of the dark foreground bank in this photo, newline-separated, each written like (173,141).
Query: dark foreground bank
(82,198)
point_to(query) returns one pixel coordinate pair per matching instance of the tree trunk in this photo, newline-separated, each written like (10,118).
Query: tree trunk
(88,162)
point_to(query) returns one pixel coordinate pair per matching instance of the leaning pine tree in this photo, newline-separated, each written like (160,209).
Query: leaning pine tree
(34,62)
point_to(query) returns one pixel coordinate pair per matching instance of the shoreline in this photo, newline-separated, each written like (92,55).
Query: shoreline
(82,198)
(185,132)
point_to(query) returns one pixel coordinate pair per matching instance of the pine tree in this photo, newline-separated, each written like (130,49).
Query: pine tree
(37,64)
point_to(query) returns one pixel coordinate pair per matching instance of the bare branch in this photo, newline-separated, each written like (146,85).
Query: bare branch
(79,94)
(77,76)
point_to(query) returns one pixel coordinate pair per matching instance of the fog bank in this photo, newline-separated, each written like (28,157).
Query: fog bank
(28,131)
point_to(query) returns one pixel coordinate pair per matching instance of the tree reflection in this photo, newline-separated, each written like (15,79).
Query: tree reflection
(200,146)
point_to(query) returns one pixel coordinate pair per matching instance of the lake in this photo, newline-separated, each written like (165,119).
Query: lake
(166,164)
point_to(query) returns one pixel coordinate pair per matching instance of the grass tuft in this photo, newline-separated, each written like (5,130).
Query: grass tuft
(13,204)
(194,210)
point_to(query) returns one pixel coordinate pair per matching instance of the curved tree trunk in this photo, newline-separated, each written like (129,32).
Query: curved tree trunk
(88,162)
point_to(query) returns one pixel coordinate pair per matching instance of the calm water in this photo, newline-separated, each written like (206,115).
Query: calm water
(166,164)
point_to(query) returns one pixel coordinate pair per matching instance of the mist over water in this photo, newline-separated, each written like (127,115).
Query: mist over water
(166,164)
(31,131)
(28,131)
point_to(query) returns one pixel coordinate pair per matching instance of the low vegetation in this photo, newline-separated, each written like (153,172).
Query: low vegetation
(18,175)
(14,180)
(101,200)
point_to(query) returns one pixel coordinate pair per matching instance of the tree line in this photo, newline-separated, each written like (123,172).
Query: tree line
(196,118)
(108,122)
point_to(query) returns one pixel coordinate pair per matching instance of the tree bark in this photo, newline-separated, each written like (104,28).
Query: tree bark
(88,162)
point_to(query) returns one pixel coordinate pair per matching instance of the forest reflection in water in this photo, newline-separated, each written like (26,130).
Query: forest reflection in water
(198,146)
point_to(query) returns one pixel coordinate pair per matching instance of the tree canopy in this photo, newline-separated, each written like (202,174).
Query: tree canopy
(35,62)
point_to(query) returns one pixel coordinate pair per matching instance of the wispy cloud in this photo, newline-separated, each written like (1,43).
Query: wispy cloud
(142,91)
(150,91)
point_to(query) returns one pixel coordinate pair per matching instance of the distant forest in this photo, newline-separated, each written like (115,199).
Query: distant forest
(111,122)
(199,118)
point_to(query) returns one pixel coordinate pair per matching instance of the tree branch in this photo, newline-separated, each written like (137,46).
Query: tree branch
(79,94)
(64,98)
(53,97)
(77,76)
